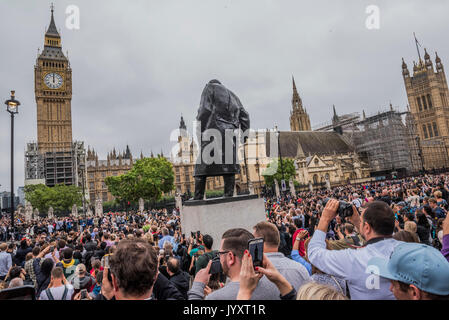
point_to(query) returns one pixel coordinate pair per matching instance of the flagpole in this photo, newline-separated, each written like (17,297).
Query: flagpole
(417,49)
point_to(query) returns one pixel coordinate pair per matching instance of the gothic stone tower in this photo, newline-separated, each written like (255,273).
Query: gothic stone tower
(184,143)
(427,93)
(53,91)
(299,119)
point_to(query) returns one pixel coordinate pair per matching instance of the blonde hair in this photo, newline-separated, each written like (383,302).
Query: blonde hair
(410,226)
(438,194)
(149,237)
(80,268)
(316,291)
(168,247)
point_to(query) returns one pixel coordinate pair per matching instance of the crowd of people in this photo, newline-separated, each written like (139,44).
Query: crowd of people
(382,240)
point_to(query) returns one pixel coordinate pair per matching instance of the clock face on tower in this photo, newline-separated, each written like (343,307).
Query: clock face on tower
(53,80)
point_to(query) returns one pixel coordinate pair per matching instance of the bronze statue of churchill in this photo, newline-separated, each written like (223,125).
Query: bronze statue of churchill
(222,110)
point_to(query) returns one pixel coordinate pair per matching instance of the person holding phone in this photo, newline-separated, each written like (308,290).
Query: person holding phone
(207,242)
(250,276)
(234,242)
(295,273)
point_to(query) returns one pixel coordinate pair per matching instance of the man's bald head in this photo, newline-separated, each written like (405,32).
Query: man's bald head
(173,265)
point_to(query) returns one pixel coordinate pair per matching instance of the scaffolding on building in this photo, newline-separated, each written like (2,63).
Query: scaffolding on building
(34,164)
(55,167)
(384,139)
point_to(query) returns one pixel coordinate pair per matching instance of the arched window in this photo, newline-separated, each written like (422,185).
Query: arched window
(429,101)
(315,179)
(419,103)
(429,127)
(435,129)
(424,102)
(424,129)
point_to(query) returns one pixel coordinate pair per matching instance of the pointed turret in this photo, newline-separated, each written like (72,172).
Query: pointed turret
(439,65)
(437,59)
(428,62)
(296,99)
(299,119)
(182,124)
(335,117)
(127,153)
(405,71)
(426,55)
(335,122)
(52,43)
(52,30)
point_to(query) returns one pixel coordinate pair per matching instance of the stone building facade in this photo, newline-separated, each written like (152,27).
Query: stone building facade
(321,158)
(98,170)
(428,97)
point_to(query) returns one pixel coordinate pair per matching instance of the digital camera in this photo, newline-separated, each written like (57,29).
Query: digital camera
(344,209)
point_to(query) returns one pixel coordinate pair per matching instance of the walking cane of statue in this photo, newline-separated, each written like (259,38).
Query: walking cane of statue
(246,166)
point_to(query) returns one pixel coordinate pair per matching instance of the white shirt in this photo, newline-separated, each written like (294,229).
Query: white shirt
(357,202)
(58,292)
(352,265)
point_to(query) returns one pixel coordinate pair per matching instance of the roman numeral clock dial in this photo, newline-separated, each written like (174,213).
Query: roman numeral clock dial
(53,80)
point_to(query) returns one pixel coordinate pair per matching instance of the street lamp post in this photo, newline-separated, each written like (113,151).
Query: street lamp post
(82,168)
(12,106)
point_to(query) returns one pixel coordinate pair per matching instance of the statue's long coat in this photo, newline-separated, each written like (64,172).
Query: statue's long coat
(220,109)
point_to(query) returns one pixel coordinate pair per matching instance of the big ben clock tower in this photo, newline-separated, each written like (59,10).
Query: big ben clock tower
(55,158)
(53,91)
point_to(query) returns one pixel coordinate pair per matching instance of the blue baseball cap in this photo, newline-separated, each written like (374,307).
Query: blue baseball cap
(417,264)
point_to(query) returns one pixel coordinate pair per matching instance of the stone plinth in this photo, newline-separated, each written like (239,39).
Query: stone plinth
(215,216)
(141,205)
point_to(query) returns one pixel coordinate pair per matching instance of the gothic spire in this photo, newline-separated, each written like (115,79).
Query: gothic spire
(296,99)
(182,124)
(127,153)
(52,30)
(438,59)
(335,117)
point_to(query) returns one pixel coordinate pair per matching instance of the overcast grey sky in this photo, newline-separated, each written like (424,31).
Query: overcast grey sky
(138,65)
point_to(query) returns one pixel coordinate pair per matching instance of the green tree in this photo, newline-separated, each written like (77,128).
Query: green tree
(274,172)
(64,197)
(60,197)
(148,179)
(39,196)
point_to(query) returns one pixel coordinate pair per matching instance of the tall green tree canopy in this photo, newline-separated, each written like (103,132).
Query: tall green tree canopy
(60,197)
(148,179)
(274,172)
